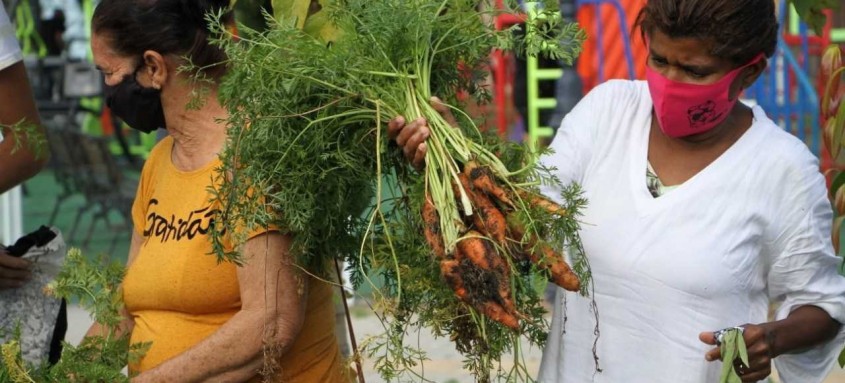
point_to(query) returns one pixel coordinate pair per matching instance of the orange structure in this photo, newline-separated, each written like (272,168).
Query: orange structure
(614,63)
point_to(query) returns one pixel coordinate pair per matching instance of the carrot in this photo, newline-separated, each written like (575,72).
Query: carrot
(495,312)
(431,228)
(483,255)
(484,181)
(560,272)
(543,203)
(450,269)
(487,217)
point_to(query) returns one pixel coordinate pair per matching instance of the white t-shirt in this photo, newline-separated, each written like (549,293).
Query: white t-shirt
(751,228)
(10,51)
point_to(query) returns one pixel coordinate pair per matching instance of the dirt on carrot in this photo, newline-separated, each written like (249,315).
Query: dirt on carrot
(483,180)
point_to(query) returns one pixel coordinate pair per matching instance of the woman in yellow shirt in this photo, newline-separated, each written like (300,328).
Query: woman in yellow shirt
(205,321)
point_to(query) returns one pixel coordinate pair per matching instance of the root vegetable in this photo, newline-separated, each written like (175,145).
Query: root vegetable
(475,268)
(486,218)
(483,180)
(431,228)
(482,253)
(543,203)
(451,271)
(560,272)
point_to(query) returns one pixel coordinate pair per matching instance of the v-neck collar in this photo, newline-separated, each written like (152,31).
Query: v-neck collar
(646,203)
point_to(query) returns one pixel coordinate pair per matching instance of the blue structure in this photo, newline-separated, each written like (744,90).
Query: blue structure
(786,92)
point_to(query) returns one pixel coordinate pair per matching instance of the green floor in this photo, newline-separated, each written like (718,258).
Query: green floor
(41,195)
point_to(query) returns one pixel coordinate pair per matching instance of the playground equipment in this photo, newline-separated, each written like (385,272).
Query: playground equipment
(786,90)
(535,128)
(535,74)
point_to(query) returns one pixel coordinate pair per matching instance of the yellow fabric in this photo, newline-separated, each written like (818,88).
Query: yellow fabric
(178,295)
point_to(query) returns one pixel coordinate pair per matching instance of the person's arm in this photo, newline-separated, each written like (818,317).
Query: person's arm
(805,327)
(127,324)
(18,106)
(272,312)
(14,271)
(802,275)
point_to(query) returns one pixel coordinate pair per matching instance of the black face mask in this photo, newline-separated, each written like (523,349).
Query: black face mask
(139,107)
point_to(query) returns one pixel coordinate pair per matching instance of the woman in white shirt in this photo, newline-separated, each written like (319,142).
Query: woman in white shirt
(702,212)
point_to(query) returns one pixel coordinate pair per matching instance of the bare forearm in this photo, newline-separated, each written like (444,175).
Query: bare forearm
(805,327)
(19,158)
(234,351)
(97,329)
(16,167)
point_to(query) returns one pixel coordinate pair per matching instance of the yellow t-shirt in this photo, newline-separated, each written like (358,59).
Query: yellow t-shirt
(178,294)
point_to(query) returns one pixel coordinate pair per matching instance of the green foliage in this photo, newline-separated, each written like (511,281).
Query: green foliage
(95,285)
(308,153)
(28,134)
(811,12)
(732,348)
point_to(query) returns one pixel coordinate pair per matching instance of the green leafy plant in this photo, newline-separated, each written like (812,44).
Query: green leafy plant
(812,11)
(95,285)
(28,134)
(732,347)
(833,117)
(307,133)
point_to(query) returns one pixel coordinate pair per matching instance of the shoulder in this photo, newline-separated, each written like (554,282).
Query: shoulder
(616,102)
(786,171)
(160,152)
(10,51)
(782,149)
(612,108)
(616,92)
(158,160)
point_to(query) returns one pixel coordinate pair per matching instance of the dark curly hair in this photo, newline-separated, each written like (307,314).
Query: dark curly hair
(168,27)
(739,30)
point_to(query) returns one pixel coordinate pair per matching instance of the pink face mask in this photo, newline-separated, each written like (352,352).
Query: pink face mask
(685,109)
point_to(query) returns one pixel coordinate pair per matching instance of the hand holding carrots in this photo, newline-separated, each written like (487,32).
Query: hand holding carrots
(411,136)
(478,261)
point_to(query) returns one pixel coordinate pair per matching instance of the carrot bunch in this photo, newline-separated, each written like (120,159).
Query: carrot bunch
(492,241)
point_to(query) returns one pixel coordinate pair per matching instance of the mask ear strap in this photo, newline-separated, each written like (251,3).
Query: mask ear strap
(755,60)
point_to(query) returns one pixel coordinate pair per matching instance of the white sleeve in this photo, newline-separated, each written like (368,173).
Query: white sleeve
(805,270)
(572,146)
(10,51)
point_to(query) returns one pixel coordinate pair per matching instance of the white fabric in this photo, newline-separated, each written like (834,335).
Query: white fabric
(10,50)
(752,227)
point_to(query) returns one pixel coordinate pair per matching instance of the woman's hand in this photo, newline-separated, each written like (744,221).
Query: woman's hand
(411,136)
(805,327)
(14,272)
(760,344)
